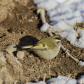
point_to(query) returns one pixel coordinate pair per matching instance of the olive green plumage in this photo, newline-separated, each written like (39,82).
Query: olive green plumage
(46,48)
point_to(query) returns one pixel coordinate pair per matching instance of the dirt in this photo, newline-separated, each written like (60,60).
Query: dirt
(24,29)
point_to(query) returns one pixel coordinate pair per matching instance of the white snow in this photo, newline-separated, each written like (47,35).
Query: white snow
(81,63)
(61,11)
(40,82)
(44,27)
(47,4)
(59,80)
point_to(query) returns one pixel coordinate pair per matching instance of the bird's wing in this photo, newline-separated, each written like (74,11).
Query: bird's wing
(40,47)
(24,47)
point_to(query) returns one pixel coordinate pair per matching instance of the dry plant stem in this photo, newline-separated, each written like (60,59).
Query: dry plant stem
(15,82)
(83,24)
(81,82)
(49,68)
(69,24)
(49,71)
(49,32)
(57,28)
(76,21)
(44,77)
(75,27)
(26,82)
(69,54)
(66,79)
(42,14)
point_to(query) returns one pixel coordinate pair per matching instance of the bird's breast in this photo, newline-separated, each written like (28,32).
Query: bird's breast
(47,54)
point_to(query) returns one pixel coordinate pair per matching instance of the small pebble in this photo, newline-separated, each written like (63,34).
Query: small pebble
(11,48)
(30,20)
(20,55)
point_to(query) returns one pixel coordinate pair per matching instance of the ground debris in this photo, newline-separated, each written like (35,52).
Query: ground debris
(17,66)
(2,59)
(5,77)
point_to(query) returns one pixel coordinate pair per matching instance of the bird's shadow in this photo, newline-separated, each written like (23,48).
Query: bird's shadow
(25,41)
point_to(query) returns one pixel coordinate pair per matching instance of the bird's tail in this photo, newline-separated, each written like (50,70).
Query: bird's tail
(24,47)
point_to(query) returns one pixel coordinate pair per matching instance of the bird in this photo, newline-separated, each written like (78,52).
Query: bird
(46,48)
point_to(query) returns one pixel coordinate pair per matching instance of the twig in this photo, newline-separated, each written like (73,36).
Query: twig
(27,82)
(69,24)
(66,79)
(49,72)
(76,21)
(81,82)
(75,27)
(15,82)
(49,32)
(81,63)
(69,54)
(42,14)
(57,28)
(49,68)
(44,77)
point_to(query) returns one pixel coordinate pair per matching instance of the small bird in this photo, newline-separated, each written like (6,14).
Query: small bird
(46,48)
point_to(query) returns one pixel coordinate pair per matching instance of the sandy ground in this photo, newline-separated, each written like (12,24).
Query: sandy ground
(26,31)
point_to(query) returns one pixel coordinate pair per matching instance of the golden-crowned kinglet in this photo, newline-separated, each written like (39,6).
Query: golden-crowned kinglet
(46,48)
